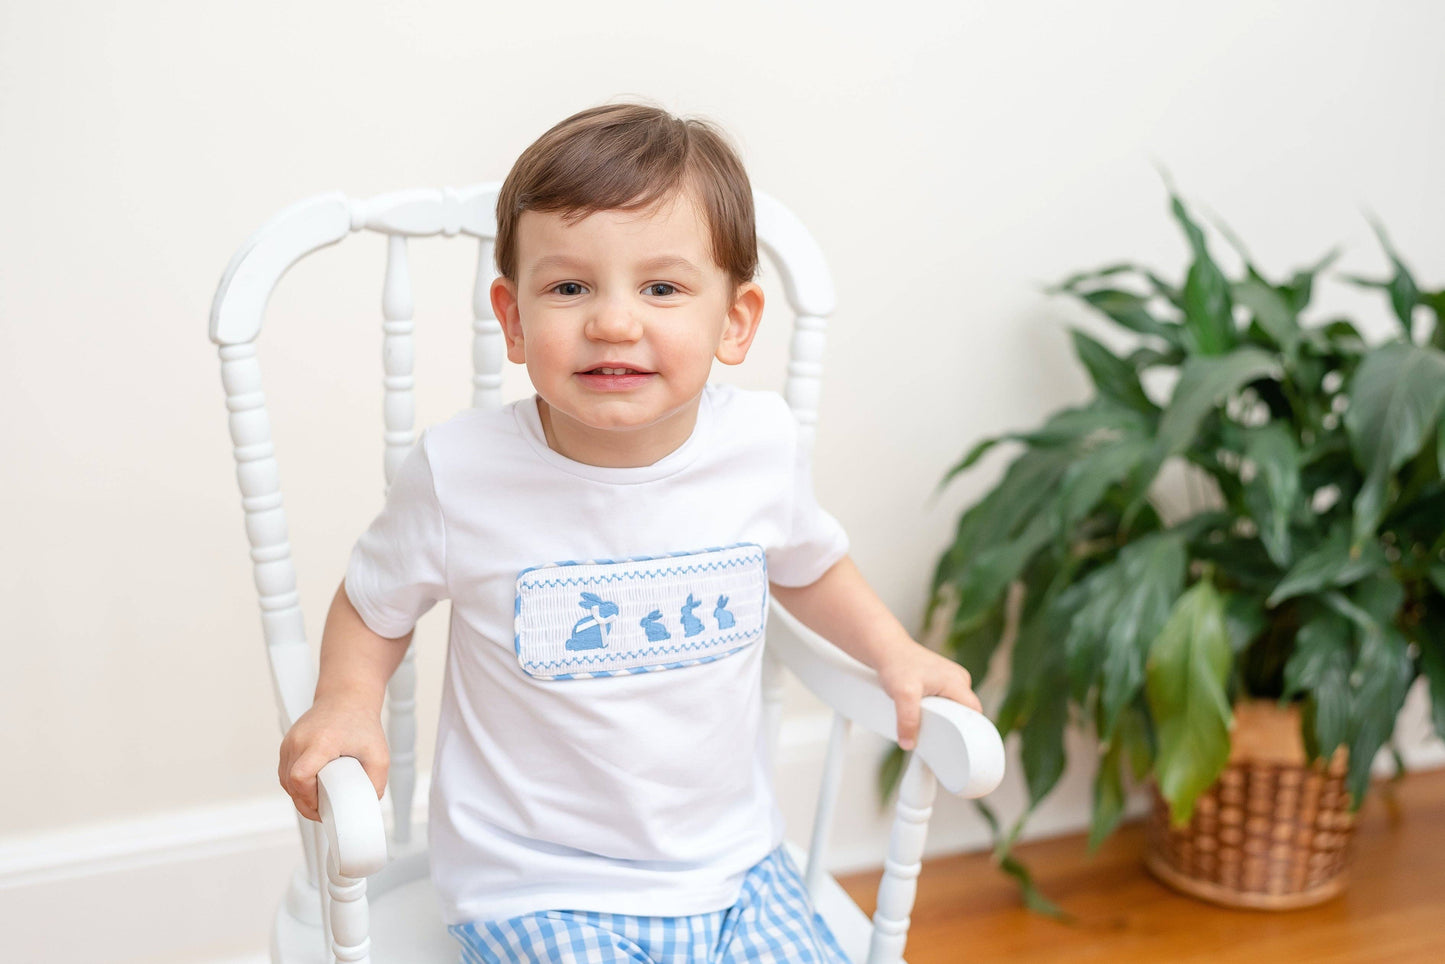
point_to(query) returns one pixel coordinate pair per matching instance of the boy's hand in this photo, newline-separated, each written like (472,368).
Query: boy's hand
(323,733)
(913,672)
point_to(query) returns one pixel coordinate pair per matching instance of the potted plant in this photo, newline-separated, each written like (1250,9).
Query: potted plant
(1307,574)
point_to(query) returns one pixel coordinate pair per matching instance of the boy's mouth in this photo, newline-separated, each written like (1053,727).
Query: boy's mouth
(610,379)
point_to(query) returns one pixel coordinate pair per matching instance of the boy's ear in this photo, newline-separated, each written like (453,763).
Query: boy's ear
(742,324)
(504,307)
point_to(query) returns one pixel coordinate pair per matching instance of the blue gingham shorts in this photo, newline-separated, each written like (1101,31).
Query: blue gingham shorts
(773,921)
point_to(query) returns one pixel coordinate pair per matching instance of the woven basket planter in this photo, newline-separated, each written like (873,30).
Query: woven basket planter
(1272,833)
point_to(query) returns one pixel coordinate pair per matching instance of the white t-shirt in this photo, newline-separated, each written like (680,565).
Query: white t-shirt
(617,765)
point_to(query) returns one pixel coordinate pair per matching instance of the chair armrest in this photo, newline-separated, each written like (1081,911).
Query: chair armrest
(351,817)
(961,746)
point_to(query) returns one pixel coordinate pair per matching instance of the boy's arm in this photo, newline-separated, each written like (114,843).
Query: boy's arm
(842,608)
(356,663)
(345,714)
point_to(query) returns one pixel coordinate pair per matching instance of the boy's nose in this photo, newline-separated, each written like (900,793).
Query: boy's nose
(613,321)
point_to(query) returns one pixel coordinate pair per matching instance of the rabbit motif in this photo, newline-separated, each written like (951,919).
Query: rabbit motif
(691,625)
(724,618)
(652,623)
(591,630)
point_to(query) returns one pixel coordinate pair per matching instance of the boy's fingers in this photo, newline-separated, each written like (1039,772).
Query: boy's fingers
(959,690)
(302,783)
(909,712)
(376,771)
(970,699)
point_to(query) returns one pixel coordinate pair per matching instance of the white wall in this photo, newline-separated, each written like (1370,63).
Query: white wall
(950,159)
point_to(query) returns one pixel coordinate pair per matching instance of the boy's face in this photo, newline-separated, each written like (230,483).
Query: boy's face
(622,289)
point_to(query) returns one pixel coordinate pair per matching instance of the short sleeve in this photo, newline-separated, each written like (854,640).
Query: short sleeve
(816,540)
(397,569)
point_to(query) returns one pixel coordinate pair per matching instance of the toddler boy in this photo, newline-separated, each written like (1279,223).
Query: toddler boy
(599,790)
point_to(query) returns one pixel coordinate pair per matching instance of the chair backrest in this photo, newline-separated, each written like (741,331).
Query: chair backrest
(235,325)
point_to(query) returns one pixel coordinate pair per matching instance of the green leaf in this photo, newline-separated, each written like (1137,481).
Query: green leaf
(1208,311)
(972,647)
(1165,290)
(1088,479)
(1382,674)
(1431,641)
(1395,397)
(1204,384)
(1077,426)
(1300,286)
(988,574)
(1108,795)
(1041,738)
(1243,558)
(1319,667)
(1070,426)
(1027,484)
(1034,899)
(1144,358)
(1273,313)
(1187,671)
(1385,672)
(1132,312)
(1440,445)
(1435,301)
(1112,376)
(1404,293)
(1037,648)
(1037,701)
(1272,493)
(1085,639)
(1338,337)
(1334,562)
(1119,623)
(1244,618)
(1073,281)
(1137,739)
(968,461)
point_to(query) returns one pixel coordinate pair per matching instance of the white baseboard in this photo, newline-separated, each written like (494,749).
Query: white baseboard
(199,886)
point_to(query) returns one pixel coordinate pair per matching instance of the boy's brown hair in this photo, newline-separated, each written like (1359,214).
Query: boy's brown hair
(629,157)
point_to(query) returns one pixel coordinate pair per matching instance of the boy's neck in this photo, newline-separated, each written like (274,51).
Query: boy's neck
(629,449)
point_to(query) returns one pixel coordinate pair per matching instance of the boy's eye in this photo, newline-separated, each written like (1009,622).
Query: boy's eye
(567,288)
(661,289)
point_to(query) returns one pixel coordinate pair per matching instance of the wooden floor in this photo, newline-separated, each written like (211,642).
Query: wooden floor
(1393,909)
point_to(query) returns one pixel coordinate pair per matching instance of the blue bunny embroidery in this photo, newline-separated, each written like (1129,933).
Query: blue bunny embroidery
(641,614)
(652,624)
(724,618)
(691,625)
(590,631)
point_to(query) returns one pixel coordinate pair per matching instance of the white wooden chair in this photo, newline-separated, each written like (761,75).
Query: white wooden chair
(348,901)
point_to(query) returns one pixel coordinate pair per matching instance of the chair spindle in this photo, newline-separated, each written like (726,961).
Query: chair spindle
(350,918)
(399,413)
(905,860)
(827,803)
(489,348)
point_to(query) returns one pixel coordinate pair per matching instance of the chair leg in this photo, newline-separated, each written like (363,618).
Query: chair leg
(905,859)
(350,920)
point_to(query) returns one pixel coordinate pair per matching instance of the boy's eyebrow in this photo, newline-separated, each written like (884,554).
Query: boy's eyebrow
(555,261)
(667,262)
(661,263)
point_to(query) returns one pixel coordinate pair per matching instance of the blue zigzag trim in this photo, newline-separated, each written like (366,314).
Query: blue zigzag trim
(617,577)
(665,555)
(649,651)
(639,670)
